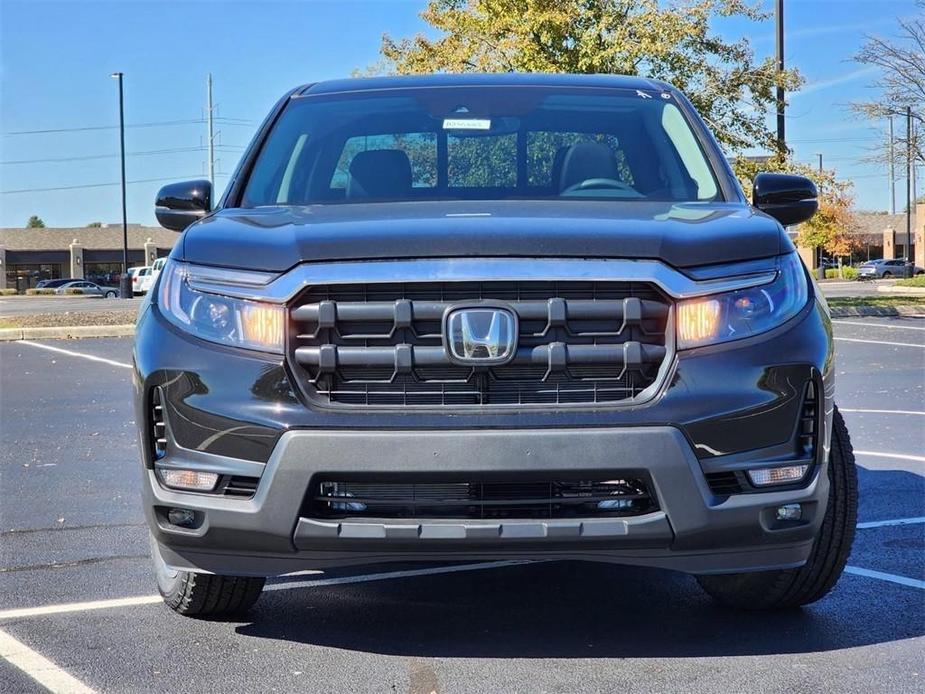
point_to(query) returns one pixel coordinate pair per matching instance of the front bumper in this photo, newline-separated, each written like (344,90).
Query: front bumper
(723,408)
(694,530)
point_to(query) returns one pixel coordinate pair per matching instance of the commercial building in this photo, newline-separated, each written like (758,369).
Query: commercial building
(94,253)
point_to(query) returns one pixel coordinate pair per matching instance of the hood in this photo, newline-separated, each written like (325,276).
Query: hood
(683,235)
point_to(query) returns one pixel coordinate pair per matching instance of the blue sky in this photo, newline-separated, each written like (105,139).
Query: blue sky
(56,59)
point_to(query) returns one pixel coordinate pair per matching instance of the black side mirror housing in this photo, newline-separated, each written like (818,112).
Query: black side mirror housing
(180,204)
(788,198)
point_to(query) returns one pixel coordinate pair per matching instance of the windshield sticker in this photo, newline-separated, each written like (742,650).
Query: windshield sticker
(466,124)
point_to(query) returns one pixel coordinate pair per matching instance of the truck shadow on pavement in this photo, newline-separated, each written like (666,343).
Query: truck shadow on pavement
(569,609)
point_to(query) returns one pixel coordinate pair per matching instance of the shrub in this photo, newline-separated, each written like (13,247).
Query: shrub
(8,292)
(848,273)
(39,292)
(73,290)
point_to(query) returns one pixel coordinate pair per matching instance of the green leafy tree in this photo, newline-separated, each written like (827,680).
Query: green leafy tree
(35,222)
(732,89)
(94,225)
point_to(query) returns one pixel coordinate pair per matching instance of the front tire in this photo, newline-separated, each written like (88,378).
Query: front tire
(204,595)
(788,588)
(886,275)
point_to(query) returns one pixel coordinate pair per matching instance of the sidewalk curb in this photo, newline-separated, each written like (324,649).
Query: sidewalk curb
(873,311)
(56,333)
(903,291)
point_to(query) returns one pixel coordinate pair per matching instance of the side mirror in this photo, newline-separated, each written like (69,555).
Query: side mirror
(789,199)
(180,204)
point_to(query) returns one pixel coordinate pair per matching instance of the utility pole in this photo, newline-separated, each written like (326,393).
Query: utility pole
(781,139)
(909,269)
(892,171)
(820,270)
(211,136)
(125,282)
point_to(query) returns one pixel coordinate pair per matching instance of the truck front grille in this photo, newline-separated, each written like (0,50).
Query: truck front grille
(380,345)
(621,495)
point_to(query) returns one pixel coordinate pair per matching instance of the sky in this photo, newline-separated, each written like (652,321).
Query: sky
(56,59)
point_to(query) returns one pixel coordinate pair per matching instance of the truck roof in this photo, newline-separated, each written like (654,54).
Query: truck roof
(504,79)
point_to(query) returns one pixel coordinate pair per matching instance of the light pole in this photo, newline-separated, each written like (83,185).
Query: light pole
(125,282)
(781,137)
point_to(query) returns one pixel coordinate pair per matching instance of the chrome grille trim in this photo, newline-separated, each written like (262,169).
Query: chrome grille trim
(285,287)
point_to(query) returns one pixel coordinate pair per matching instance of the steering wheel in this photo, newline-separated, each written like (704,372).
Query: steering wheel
(594,183)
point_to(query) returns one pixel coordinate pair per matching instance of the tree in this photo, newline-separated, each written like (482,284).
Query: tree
(94,225)
(731,89)
(35,222)
(901,83)
(830,227)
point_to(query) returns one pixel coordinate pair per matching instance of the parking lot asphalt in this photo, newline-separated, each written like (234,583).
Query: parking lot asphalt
(71,531)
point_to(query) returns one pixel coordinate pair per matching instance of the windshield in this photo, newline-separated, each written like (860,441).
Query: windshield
(481,143)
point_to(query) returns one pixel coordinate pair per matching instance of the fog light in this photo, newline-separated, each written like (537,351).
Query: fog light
(192,480)
(777,475)
(789,512)
(182,517)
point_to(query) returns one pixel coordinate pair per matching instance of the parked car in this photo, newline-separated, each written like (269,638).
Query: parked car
(149,279)
(382,345)
(885,269)
(52,284)
(89,288)
(139,280)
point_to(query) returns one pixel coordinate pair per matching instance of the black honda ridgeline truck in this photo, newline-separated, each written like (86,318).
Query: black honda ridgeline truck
(481,317)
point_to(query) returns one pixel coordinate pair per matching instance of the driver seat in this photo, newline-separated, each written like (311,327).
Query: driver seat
(586,160)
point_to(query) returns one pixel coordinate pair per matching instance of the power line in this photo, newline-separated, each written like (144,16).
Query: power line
(89,157)
(153,124)
(92,185)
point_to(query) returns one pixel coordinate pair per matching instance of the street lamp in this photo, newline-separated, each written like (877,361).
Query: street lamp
(125,282)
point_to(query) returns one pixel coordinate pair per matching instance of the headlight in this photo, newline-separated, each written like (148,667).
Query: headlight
(744,312)
(222,319)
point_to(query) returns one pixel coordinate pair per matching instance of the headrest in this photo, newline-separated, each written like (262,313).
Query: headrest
(379,173)
(587,160)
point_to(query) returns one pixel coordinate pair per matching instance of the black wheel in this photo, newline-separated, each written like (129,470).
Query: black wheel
(886,275)
(773,590)
(204,595)
(110,295)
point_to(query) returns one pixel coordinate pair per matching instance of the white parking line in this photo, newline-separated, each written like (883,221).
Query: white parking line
(896,521)
(39,668)
(878,342)
(846,409)
(78,606)
(76,354)
(898,456)
(892,578)
(878,325)
(25,612)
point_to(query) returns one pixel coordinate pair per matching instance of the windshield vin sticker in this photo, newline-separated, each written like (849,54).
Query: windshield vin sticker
(466,124)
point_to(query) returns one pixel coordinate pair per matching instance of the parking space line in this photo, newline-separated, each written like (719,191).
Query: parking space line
(878,342)
(885,523)
(898,456)
(24,612)
(62,608)
(76,354)
(863,411)
(878,325)
(39,668)
(891,578)
(343,580)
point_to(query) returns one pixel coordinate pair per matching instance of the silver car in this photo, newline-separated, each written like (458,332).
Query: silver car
(885,269)
(88,288)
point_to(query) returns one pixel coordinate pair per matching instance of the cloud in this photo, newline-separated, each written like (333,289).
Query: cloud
(835,81)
